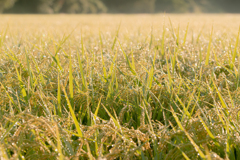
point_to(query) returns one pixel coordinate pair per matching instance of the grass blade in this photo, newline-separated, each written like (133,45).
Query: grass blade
(3,155)
(24,93)
(128,62)
(173,33)
(2,137)
(114,120)
(220,96)
(209,48)
(169,73)
(115,39)
(235,49)
(73,114)
(84,83)
(59,96)
(163,39)
(185,36)
(70,80)
(196,147)
(151,73)
(59,148)
(207,129)
(103,64)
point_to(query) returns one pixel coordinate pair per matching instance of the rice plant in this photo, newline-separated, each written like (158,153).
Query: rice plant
(119,87)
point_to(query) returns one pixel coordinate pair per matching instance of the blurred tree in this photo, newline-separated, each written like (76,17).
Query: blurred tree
(231,6)
(31,6)
(130,6)
(181,6)
(5,4)
(83,6)
(55,6)
(44,6)
(118,6)
(173,6)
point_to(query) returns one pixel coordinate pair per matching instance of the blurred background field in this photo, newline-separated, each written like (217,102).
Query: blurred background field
(132,24)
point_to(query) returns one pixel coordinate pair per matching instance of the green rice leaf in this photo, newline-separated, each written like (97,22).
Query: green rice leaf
(196,147)
(73,114)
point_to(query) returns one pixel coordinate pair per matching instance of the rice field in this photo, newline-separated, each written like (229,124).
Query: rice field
(120,87)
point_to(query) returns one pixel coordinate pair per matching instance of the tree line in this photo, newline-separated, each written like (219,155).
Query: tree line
(118,6)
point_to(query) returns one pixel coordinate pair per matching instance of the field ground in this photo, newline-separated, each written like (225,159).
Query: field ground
(119,86)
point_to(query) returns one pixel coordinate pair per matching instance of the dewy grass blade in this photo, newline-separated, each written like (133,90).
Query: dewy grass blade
(177,41)
(133,61)
(14,58)
(151,73)
(112,66)
(228,147)
(59,96)
(207,129)
(196,147)
(90,157)
(59,46)
(3,154)
(81,71)
(29,68)
(10,98)
(73,114)
(38,70)
(114,120)
(220,96)
(169,74)
(24,93)
(184,154)
(115,39)
(56,60)
(110,86)
(144,103)
(3,35)
(64,39)
(174,59)
(103,64)
(2,137)
(163,39)
(128,62)
(235,49)
(70,80)
(220,115)
(173,33)
(209,49)
(151,38)
(231,99)
(185,110)
(96,112)
(97,131)
(185,36)
(59,143)
(200,33)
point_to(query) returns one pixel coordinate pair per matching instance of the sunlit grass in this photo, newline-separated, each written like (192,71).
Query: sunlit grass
(119,87)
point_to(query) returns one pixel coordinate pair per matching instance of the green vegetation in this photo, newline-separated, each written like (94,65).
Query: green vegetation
(90,87)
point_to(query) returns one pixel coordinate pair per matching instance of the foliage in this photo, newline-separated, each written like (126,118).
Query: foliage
(150,88)
(133,6)
(116,6)
(56,6)
(5,4)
